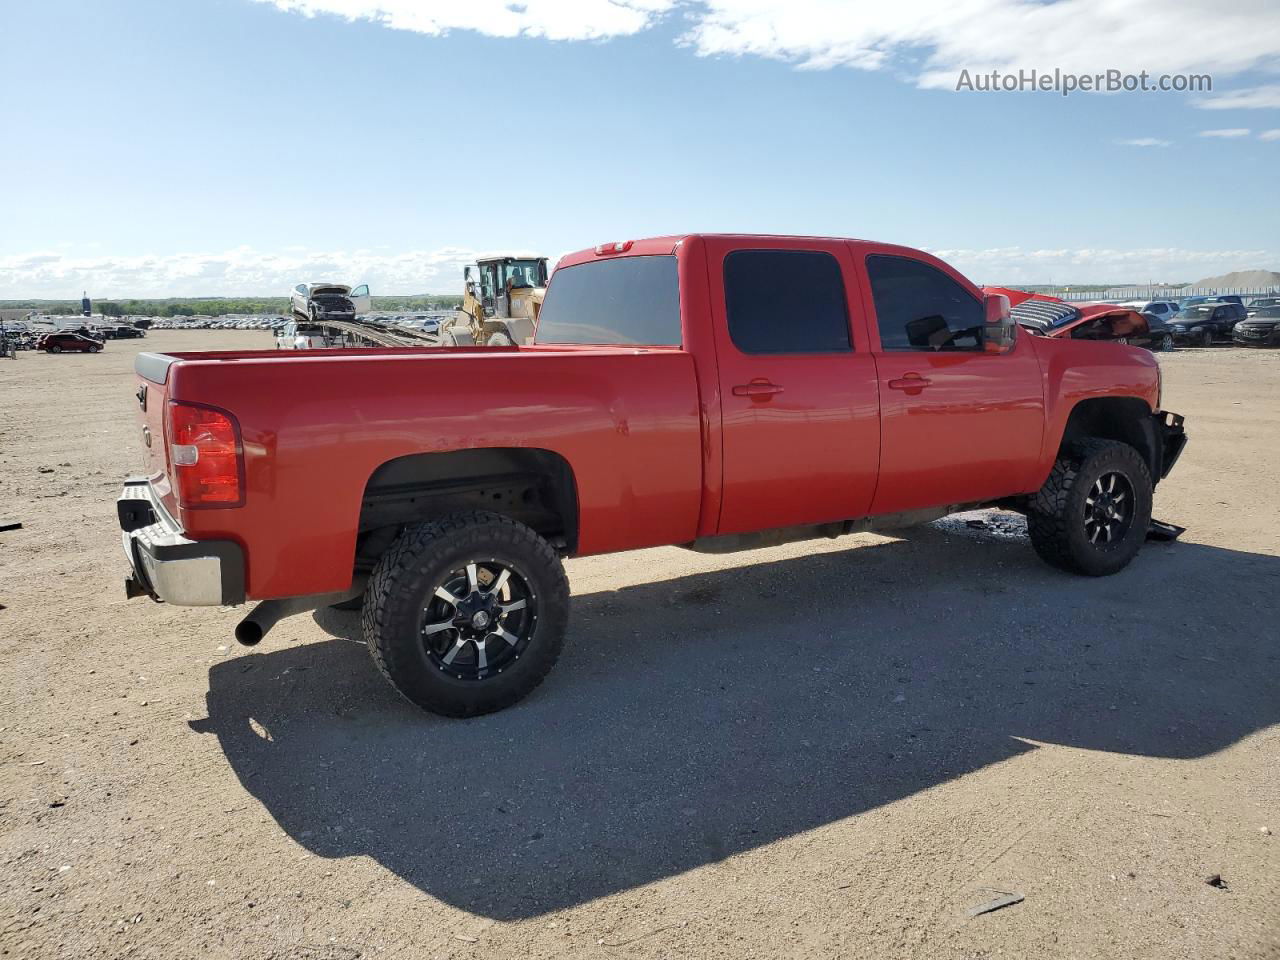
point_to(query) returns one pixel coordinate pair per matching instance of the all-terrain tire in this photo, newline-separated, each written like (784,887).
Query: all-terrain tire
(1056,514)
(404,582)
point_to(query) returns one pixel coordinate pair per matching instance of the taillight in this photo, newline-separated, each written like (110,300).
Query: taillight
(205,456)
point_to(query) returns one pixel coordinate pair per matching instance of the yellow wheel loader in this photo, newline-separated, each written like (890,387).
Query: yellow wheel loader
(503,294)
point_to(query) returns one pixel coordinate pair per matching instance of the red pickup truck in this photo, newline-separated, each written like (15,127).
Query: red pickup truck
(717,392)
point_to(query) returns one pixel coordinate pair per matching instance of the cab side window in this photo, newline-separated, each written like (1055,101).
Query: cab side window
(786,301)
(918,307)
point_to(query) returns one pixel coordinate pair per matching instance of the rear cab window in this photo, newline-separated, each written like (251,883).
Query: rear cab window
(631,300)
(786,301)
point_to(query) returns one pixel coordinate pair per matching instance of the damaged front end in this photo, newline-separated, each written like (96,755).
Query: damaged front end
(1170,439)
(332,307)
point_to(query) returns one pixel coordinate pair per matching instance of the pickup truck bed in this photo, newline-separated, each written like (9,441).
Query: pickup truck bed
(718,392)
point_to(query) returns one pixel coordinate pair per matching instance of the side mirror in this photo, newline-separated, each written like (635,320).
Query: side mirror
(999,329)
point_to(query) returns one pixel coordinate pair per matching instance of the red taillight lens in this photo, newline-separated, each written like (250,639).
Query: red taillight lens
(204,453)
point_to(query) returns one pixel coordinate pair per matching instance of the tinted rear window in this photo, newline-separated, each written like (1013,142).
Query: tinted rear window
(632,300)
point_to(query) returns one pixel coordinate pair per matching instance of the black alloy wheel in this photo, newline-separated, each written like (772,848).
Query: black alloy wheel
(1108,513)
(479,620)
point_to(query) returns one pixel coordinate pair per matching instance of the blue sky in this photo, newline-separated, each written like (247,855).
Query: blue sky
(238,146)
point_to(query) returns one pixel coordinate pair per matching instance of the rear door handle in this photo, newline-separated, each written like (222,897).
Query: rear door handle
(912,383)
(756,388)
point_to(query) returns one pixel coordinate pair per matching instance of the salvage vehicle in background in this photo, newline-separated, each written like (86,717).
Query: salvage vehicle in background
(298,334)
(1261,303)
(1203,324)
(1260,329)
(329,301)
(1160,309)
(1048,316)
(121,332)
(66,342)
(718,392)
(500,300)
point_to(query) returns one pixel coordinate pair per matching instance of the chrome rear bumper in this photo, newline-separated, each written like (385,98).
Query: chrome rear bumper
(168,566)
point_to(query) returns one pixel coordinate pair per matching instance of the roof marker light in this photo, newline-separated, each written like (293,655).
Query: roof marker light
(622,246)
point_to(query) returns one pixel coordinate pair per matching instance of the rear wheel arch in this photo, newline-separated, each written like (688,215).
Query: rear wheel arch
(535,487)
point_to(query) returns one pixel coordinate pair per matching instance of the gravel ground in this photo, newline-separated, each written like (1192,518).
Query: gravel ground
(820,750)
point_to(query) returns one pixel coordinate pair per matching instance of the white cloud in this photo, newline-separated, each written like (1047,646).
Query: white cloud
(1269,135)
(245,271)
(1145,142)
(550,19)
(1100,265)
(1226,134)
(1253,98)
(931,40)
(240,272)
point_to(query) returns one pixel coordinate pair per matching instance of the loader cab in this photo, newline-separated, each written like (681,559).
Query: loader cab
(501,283)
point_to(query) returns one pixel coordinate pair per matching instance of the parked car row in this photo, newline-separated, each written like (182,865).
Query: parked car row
(228,323)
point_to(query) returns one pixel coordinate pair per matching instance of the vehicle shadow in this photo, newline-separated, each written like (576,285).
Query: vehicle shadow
(695,718)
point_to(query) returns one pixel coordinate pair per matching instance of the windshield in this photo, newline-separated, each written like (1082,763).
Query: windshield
(524,273)
(1196,312)
(633,300)
(1267,313)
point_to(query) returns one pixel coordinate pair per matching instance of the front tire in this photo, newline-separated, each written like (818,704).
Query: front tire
(1166,343)
(1206,338)
(1092,514)
(500,340)
(467,614)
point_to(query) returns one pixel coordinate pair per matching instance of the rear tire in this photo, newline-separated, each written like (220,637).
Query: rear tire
(500,340)
(1092,514)
(467,670)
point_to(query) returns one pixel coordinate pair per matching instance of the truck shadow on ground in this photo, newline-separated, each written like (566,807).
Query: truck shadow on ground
(695,718)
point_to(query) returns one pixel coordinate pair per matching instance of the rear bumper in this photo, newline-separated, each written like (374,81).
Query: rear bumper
(1171,439)
(165,564)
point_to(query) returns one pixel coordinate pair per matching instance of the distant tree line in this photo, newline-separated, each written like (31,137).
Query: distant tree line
(219,306)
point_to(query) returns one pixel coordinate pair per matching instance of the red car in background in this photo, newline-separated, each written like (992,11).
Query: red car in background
(68,343)
(1048,316)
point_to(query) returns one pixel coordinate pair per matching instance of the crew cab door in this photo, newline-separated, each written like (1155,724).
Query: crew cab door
(800,427)
(958,424)
(360,299)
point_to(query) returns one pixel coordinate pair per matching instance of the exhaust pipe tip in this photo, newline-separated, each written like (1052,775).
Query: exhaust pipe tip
(249,633)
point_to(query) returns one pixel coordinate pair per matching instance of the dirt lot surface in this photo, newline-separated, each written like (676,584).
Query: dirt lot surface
(820,750)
